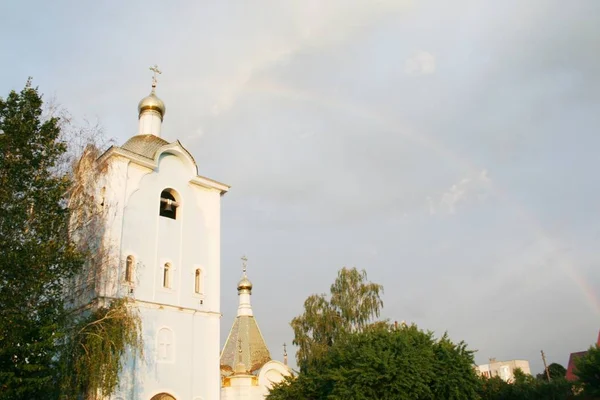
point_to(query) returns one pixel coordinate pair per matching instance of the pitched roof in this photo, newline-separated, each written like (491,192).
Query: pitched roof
(246,340)
(144,145)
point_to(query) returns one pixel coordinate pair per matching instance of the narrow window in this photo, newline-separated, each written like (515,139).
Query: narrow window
(167,275)
(198,281)
(129,269)
(168,204)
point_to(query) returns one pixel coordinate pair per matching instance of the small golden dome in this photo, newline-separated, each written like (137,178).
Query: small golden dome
(152,102)
(244,284)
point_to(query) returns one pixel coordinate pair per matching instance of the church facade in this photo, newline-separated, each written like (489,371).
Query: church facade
(163,230)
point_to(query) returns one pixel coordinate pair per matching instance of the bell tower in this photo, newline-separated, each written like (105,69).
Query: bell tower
(164,229)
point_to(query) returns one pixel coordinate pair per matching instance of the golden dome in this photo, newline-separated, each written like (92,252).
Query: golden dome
(152,102)
(244,284)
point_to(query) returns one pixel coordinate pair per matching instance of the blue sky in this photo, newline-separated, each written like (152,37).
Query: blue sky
(448,148)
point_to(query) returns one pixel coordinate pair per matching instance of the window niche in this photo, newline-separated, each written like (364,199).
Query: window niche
(167,276)
(129,269)
(168,204)
(198,281)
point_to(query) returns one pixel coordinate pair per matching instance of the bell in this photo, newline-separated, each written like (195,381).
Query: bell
(168,206)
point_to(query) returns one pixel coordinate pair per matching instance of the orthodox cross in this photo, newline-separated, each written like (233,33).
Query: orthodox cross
(244,264)
(240,349)
(156,71)
(284,349)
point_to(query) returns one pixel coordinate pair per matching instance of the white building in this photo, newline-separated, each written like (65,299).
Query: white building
(163,230)
(247,370)
(160,232)
(504,369)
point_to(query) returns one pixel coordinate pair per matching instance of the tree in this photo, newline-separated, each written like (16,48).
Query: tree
(353,305)
(455,377)
(525,387)
(587,369)
(36,254)
(555,370)
(386,363)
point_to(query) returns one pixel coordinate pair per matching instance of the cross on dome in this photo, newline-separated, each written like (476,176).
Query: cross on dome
(244,284)
(151,109)
(244,264)
(156,71)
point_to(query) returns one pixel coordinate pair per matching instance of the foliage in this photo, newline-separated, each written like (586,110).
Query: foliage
(386,363)
(555,370)
(353,304)
(95,349)
(454,374)
(525,387)
(46,344)
(36,255)
(587,369)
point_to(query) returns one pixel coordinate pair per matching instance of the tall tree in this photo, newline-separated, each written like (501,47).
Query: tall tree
(353,304)
(36,255)
(386,363)
(587,369)
(555,370)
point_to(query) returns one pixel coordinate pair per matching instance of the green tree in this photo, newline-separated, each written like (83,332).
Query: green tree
(454,377)
(555,370)
(353,304)
(386,363)
(36,254)
(525,387)
(493,388)
(94,350)
(587,369)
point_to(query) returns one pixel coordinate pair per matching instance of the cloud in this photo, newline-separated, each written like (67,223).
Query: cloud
(422,63)
(476,185)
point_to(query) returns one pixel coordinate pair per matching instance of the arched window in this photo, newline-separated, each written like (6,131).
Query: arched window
(198,281)
(165,345)
(163,396)
(168,204)
(129,269)
(167,275)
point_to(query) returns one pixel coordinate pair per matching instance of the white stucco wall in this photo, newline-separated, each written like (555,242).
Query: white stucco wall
(244,387)
(190,242)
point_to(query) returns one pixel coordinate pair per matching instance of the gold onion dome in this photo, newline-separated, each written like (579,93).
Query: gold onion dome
(244,284)
(152,102)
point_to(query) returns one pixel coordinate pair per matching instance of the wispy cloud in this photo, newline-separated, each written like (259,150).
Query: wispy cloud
(422,63)
(473,186)
(315,24)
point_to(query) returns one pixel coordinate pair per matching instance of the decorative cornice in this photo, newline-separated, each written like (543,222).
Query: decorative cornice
(198,180)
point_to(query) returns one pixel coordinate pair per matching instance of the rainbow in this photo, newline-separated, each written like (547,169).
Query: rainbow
(387,124)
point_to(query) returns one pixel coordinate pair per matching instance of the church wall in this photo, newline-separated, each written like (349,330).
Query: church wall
(190,242)
(190,349)
(271,373)
(113,185)
(242,388)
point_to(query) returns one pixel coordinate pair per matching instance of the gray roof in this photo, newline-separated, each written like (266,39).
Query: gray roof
(145,145)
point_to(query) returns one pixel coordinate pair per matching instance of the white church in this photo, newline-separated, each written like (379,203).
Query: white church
(164,229)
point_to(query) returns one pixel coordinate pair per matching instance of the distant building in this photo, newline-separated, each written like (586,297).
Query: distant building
(574,356)
(504,369)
